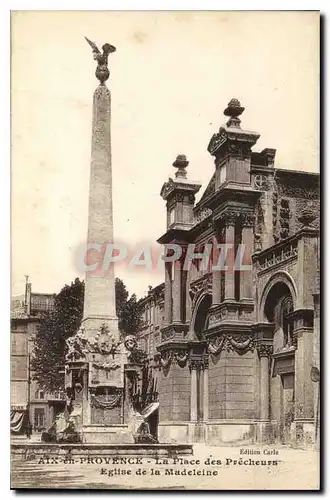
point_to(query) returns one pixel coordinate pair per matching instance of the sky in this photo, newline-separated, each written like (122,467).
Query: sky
(171,78)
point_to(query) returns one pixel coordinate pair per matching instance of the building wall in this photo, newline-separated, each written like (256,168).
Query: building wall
(232,386)
(25,313)
(19,363)
(174,394)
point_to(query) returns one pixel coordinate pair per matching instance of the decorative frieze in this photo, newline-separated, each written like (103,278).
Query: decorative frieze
(202,215)
(230,216)
(182,353)
(231,342)
(277,256)
(304,191)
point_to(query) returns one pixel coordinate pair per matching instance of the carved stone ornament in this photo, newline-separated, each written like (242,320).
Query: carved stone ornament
(264,350)
(216,141)
(196,364)
(202,215)
(215,346)
(260,182)
(257,242)
(106,365)
(168,334)
(180,356)
(181,163)
(247,219)
(200,286)
(239,343)
(130,342)
(165,358)
(307,217)
(233,110)
(108,404)
(230,217)
(235,342)
(79,345)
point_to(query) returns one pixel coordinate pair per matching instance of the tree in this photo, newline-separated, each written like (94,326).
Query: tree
(57,326)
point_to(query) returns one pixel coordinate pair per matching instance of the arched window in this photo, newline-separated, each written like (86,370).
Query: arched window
(278,307)
(201,321)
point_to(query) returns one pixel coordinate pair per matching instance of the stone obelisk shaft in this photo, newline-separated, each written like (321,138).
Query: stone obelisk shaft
(100,303)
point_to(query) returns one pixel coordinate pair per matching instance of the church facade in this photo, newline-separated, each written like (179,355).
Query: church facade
(233,332)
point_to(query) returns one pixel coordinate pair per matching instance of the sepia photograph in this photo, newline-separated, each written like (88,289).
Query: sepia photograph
(165,250)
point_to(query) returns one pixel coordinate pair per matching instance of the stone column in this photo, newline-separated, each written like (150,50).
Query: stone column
(168,293)
(247,250)
(193,393)
(177,271)
(206,390)
(216,275)
(264,382)
(230,257)
(263,427)
(304,389)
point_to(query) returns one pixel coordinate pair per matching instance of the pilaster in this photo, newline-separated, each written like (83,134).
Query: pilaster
(304,390)
(264,343)
(247,249)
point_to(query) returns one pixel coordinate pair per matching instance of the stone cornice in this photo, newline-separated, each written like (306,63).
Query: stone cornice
(172,186)
(228,327)
(227,193)
(303,318)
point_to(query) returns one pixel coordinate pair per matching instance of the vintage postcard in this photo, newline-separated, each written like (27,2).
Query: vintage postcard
(165,302)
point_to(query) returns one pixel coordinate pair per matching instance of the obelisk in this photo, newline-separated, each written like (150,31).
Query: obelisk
(99,302)
(95,357)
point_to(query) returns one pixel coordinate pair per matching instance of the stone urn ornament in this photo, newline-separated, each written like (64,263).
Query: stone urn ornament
(307,217)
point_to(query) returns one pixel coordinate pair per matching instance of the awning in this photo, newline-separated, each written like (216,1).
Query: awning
(150,409)
(18,407)
(16,420)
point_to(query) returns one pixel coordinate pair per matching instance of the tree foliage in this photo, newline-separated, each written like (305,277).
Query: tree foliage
(64,321)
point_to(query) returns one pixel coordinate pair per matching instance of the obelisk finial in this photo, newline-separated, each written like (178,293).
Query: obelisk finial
(102,72)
